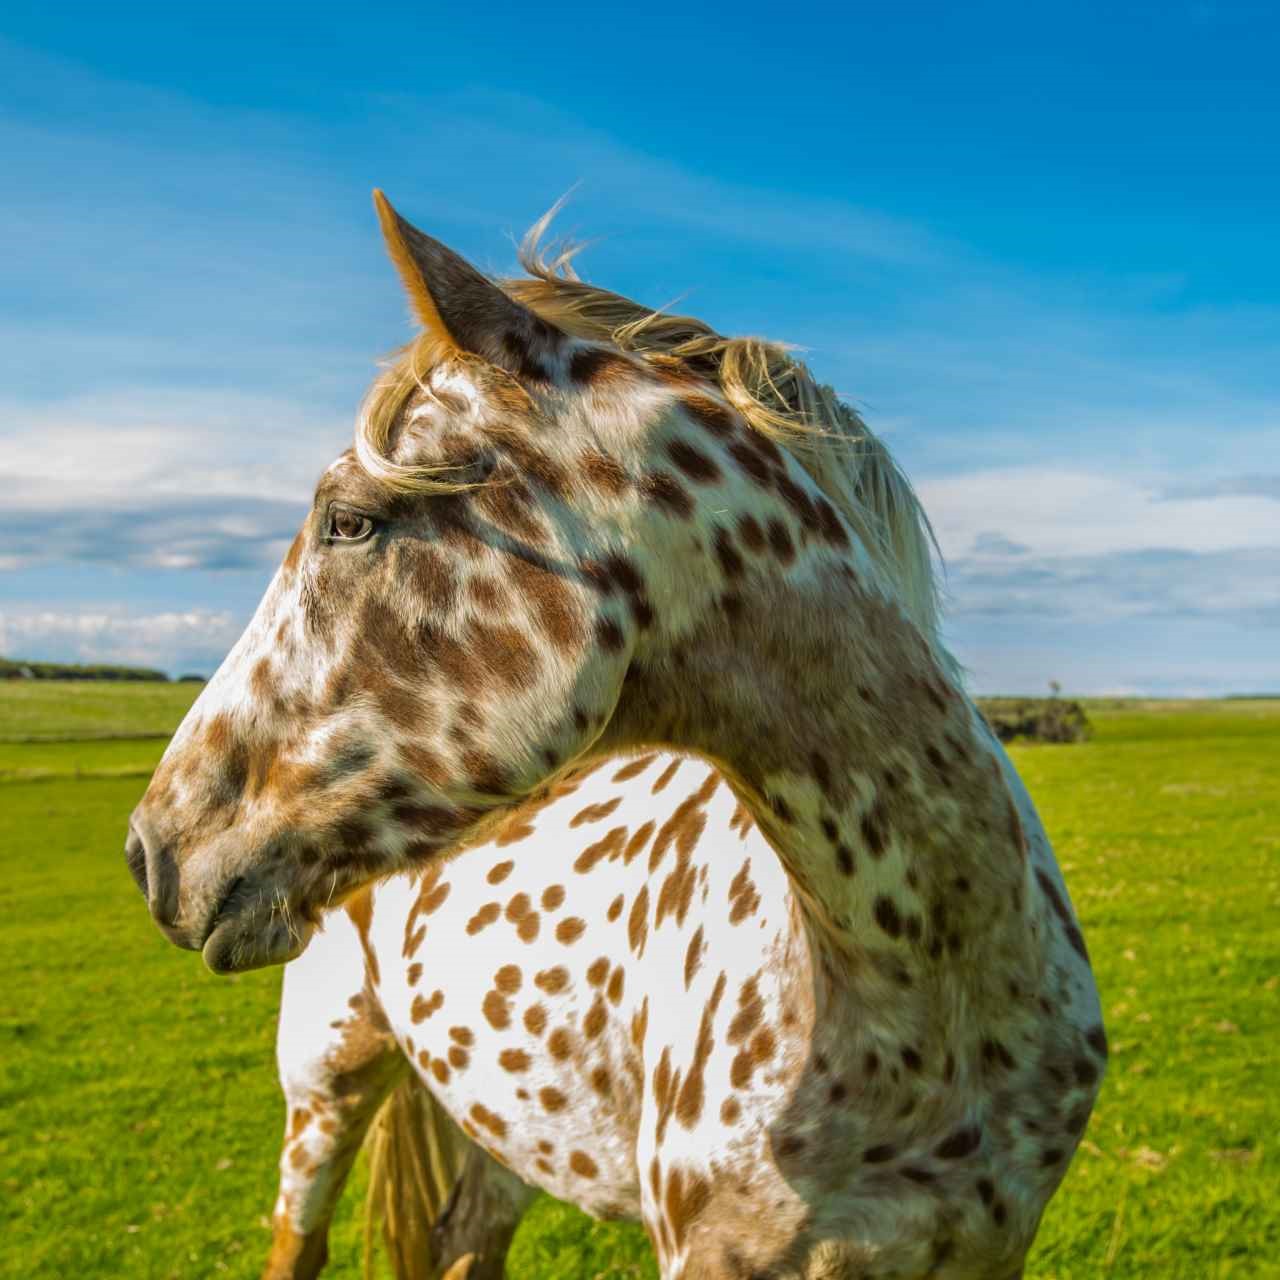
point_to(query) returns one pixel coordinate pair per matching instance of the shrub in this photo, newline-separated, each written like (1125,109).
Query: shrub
(1036,719)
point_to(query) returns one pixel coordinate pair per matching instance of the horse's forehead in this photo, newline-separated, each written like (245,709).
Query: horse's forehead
(345,480)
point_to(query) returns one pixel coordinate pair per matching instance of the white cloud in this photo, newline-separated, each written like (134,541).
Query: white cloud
(1074,544)
(1239,585)
(160,479)
(194,639)
(158,443)
(1074,512)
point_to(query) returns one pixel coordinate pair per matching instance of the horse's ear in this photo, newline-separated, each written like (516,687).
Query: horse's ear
(459,306)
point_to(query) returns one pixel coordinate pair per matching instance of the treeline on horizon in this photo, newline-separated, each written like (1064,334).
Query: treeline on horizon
(16,669)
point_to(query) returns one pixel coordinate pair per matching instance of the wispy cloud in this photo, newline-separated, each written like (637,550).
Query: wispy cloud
(1242,586)
(185,336)
(1065,511)
(196,639)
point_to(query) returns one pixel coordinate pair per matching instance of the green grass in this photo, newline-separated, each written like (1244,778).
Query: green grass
(43,710)
(139,1117)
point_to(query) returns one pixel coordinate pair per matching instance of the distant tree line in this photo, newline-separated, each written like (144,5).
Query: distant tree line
(15,669)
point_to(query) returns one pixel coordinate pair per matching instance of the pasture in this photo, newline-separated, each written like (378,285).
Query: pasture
(139,1119)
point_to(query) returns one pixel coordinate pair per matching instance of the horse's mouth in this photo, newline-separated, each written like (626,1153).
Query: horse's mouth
(251,929)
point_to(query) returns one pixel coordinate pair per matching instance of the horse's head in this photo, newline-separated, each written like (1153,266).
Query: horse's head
(527,520)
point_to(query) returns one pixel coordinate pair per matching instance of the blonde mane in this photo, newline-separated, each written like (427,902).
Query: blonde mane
(772,390)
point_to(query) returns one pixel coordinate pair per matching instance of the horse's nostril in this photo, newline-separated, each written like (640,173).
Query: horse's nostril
(153,866)
(135,854)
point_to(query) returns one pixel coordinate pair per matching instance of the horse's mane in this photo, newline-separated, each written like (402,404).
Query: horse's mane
(772,390)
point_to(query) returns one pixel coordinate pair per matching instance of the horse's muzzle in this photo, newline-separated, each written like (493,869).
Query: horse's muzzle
(155,869)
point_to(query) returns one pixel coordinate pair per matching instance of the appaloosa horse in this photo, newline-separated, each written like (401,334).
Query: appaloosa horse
(818,1009)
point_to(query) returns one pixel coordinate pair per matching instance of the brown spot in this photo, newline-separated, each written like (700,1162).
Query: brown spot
(615,909)
(463,1035)
(633,768)
(640,1024)
(693,462)
(560,1044)
(730,1111)
(780,541)
(665,491)
(595,812)
(608,846)
(496,1011)
(689,1103)
(423,1008)
(603,473)
(494,1123)
(750,1012)
(582,1164)
(431,901)
(458,1057)
(535,1019)
(597,364)
(873,831)
(638,840)
(614,989)
(594,1022)
(513,1060)
(830,524)
(609,635)
(743,895)
(751,462)
(887,917)
(664,1086)
(715,418)
(552,897)
(497,874)
(483,918)
(554,604)
(1086,1073)
(570,929)
(1063,913)
(727,554)
(598,971)
(960,1144)
(552,981)
(692,958)
(638,921)
(665,777)
(507,979)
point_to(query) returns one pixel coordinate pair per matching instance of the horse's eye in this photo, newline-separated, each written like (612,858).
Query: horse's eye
(348,526)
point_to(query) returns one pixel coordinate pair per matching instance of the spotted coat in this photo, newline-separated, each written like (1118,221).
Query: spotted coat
(822,1010)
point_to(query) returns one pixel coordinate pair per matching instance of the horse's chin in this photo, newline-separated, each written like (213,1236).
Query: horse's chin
(253,940)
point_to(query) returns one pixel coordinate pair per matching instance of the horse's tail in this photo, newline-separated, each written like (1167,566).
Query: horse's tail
(415,1159)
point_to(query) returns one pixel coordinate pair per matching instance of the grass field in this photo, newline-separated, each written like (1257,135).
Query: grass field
(139,1118)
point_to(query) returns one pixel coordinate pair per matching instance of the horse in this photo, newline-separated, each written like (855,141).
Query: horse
(854,1031)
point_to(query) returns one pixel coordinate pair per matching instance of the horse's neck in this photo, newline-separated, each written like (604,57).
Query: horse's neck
(863,762)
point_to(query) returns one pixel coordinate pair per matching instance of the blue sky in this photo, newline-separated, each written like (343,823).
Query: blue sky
(1035,246)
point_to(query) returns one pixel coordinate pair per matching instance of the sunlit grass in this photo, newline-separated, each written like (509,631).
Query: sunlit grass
(139,1117)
